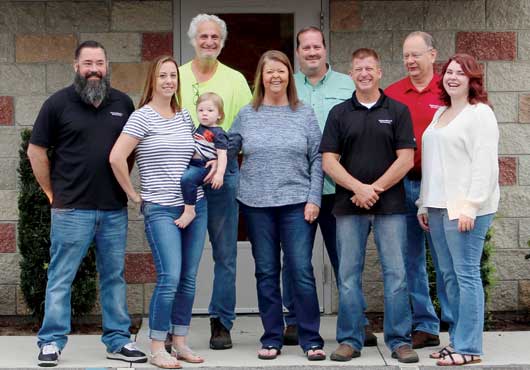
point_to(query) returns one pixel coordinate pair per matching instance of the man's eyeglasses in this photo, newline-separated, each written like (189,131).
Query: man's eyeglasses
(196,92)
(415,56)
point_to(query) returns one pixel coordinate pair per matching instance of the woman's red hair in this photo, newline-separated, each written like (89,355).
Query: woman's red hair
(477,91)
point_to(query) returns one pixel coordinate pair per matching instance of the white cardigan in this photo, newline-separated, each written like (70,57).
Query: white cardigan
(469,150)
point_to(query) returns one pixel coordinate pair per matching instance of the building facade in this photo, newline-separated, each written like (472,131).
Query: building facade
(37,40)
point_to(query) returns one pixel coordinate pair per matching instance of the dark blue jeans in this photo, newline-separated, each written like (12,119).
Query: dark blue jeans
(326,221)
(271,230)
(191,179)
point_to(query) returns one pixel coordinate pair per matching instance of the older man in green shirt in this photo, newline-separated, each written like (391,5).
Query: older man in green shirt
(322,88)
(204,73)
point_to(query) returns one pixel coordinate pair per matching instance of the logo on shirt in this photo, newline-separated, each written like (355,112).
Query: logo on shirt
(385,121)
(117,114)
(435,106)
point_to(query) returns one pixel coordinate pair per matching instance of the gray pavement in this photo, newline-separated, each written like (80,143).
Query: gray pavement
(503,350)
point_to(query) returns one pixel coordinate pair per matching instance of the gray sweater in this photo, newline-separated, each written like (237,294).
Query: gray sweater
(281,163)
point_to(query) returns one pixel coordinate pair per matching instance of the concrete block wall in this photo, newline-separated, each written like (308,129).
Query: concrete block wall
(497,32)
(36,52)
(37,42)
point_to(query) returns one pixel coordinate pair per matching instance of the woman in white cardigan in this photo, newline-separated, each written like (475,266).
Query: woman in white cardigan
(458,199)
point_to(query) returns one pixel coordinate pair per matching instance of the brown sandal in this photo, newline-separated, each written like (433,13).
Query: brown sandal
(453,357)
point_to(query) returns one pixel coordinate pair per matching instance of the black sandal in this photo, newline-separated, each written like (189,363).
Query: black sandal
(446,351)
(269,357)
(473,359)
(315,356)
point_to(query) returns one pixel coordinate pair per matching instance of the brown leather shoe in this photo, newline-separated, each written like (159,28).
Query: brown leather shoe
(405,354)
(344,352)
(290,335)
(422,339)
(370,340)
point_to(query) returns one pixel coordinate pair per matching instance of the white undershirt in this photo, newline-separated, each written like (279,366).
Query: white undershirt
(432,173)
(369,105)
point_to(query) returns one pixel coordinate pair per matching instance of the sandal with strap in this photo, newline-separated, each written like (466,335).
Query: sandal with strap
(447,350)
(164,360)
(451,360)
(269,356)
(186,354)
(315,354)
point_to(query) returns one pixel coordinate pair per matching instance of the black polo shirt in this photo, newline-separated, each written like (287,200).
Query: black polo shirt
(81,138)
(367,140)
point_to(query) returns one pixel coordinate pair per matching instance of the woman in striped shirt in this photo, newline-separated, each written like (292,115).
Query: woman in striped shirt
(160,134)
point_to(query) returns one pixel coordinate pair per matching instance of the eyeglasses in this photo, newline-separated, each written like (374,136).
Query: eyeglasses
(415,56)
(196,92)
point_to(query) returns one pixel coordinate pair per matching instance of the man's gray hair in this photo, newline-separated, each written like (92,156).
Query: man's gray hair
(427,38)
(198,19)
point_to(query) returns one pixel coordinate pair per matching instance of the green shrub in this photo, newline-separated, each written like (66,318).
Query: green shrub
(34,246)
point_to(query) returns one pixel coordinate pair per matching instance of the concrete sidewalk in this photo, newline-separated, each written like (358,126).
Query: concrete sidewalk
(503,350)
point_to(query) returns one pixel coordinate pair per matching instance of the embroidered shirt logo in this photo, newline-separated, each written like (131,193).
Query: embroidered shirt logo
(435,106)
(117,114)
(386,121)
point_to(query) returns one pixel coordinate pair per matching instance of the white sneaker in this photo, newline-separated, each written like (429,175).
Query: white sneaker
(49,355)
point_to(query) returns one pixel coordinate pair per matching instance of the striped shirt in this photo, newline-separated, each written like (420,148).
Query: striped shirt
(163,153)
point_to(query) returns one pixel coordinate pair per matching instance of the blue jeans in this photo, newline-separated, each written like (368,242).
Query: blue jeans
(424,316)
(271,230)
(390,235)
(176,254)
(72,232)
(223,214)
(327,223)
(459,255)
(326,220)
(191,179)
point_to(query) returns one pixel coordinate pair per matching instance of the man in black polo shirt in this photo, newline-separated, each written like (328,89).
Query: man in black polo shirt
(80,124)
(368,147)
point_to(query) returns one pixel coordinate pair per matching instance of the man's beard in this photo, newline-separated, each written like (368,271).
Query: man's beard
(92,92)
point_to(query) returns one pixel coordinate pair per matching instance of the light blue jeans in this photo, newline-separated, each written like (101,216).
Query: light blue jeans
(72,232)
(390,235)
(223,216)
(176,254)
(424,316)
(459,255)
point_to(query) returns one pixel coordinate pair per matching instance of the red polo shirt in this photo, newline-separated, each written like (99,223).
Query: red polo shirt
(422,106)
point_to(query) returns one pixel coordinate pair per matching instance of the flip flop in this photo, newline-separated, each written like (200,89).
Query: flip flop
(315,354)
(269,356)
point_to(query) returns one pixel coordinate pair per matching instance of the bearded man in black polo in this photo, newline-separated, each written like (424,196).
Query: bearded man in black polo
(80,124)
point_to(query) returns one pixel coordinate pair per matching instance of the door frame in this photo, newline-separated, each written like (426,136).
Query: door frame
(181,49)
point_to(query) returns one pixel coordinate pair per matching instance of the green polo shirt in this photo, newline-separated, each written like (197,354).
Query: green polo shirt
(332,89)
(228,83)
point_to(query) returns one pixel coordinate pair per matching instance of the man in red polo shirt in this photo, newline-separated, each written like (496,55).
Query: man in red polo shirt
(420,92)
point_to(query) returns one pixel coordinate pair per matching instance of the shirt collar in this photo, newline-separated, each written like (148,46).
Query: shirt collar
(381,102)
(321,82)
(432,86)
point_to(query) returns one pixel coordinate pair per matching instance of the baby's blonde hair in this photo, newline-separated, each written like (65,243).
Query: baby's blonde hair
(218,102)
